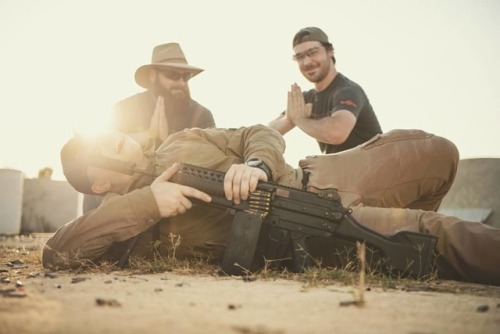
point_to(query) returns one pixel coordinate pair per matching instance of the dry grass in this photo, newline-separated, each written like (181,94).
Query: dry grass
(28,263)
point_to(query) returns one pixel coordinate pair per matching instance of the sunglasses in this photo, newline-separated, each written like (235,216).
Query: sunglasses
(174,75)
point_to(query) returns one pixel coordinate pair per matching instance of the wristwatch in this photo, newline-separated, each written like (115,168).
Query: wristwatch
(260,164)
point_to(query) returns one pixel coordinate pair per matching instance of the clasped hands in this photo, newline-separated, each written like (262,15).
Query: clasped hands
(296,107)
(158,126)
(174,199)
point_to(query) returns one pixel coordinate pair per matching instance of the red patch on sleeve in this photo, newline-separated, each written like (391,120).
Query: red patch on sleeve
(348,103)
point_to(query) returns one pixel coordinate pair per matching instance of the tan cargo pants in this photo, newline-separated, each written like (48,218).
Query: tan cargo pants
(395,182)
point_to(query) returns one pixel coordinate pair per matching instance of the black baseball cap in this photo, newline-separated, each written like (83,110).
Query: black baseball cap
(310,34)
(75,163)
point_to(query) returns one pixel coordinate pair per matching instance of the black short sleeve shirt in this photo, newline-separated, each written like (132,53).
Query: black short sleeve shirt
(343,93)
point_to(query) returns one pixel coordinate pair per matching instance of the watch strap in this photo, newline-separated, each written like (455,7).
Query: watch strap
(258,163)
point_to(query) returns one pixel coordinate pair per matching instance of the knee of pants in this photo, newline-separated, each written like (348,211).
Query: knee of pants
(388,221)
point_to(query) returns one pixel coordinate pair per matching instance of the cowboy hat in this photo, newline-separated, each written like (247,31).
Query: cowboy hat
(168,55)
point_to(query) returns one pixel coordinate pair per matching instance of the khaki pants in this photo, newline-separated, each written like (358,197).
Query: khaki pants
(465,250)
(401,168)
(390,180)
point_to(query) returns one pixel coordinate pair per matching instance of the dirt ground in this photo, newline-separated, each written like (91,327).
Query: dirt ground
(37,301)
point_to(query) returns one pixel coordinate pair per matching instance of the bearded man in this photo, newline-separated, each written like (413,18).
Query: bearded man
(166,106)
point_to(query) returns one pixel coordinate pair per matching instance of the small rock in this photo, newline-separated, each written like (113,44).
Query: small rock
(50,275)
(32,275)
(179,285)
(249,278)
(78,279)
(13,293)
(107,302)
(233,307)
(482,308)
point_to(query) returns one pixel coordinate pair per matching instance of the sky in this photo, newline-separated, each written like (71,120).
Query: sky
(424,64)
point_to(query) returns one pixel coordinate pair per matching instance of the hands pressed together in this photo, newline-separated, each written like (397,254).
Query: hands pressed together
(158,127)
(296,107)
(174,199)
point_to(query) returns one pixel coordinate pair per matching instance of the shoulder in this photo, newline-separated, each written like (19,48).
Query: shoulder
(346,88)
(139,96)
(346,83)
(341,81)
(198,107)
(201,116)
(134,101)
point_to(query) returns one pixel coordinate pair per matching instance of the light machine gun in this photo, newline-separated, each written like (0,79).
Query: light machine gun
(277,220)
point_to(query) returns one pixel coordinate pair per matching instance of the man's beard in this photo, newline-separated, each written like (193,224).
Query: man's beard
(321,73)
(176,101)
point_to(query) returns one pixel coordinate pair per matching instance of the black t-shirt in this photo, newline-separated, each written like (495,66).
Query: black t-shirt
(343,93)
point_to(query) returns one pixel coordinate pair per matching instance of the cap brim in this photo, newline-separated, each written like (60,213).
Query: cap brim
(75,165)
(142,73)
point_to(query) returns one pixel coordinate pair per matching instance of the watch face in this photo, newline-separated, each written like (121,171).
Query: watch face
(254,163)
(257,163)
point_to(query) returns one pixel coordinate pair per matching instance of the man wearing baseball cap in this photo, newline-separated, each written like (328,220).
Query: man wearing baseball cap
(337,112)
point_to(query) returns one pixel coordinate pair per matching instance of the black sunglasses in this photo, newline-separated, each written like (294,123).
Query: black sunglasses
(174,75)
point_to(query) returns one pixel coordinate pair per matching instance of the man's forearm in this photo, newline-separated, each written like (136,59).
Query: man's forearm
(327,130)
(118,218)
(281,124)
(261,142)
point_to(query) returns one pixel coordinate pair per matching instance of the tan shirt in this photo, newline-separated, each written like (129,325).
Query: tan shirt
(101,234)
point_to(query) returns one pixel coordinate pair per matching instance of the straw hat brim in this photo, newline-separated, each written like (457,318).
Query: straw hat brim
(142,73)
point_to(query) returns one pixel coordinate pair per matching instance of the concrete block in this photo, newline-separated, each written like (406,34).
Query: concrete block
(476,186)
(48,204)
